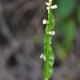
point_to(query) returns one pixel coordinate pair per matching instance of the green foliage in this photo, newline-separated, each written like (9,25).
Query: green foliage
(68,30)
(66,7)
(61,51)
(67,16)
(69,34)
(78,14)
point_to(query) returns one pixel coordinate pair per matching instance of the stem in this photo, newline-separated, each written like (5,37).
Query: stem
(48,52)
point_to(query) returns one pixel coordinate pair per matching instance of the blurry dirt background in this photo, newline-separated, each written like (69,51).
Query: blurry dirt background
(21,39)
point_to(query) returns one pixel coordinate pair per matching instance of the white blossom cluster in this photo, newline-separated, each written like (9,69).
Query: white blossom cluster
(45,21)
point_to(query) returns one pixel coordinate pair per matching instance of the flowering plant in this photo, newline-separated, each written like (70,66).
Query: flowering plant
(48,52)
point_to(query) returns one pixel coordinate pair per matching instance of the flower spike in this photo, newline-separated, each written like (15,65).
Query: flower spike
(48,55)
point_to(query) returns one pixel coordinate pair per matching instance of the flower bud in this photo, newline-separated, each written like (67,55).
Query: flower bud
(47,3)
(51,33)
(53,6)
(44,21)
(43,57)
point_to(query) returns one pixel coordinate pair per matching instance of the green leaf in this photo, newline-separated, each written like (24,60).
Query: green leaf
(61,51)
(78,14)
(68,30)
(51,22)
(69,34)
(65,8)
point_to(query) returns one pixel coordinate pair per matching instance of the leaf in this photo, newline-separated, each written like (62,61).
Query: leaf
(51,23)
(78,14)
(61,51)
(68,30)
(65,8)
(69,34)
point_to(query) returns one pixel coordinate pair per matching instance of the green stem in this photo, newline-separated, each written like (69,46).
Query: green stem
(48,52)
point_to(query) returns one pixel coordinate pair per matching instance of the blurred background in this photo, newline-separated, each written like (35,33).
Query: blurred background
(21,39)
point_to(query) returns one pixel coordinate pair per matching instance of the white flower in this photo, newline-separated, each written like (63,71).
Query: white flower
(43,57)
(53,6)
(51,33)
(44,21)
(47,3)
(47,8)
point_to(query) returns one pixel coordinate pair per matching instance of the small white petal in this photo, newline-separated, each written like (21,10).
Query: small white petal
(47,3)
(47,8)
(51,33)
(53,6)
(44,21)
(41,56)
